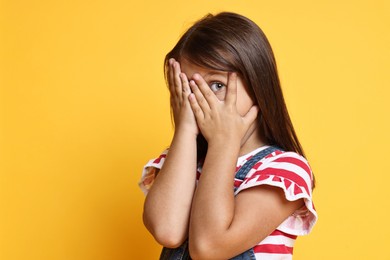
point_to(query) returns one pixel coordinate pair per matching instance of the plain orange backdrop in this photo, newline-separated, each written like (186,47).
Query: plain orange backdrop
(84,106)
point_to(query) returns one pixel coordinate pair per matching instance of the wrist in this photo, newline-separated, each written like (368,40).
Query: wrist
(185,132)
(223,144)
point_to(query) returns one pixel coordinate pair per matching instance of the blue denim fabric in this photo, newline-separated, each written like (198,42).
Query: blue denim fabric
(182,252)
(247,255)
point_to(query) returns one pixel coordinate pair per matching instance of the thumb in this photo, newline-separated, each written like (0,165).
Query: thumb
(251,115)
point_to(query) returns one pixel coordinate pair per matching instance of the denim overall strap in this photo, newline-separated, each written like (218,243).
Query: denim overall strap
(244,170)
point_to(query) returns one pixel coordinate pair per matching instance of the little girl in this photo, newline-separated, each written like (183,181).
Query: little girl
(234,183)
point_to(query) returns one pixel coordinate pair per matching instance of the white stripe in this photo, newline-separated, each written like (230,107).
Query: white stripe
(269,162)
(262,256)
(278,240)
(289,167)
(287,155)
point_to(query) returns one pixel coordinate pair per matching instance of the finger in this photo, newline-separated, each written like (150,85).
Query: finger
(231,95)
(251,115)
(204,88)
(198,95)
(185,84)
(196,109)
(171,82)
(176,78)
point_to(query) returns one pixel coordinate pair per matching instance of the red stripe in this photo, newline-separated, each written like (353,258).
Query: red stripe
(287,183)
(260,177)
(237,183)
(277,178)
(157,161)
(297,190)
(280,233)
(297,162)
(257,165)
(273,249)
(285,174)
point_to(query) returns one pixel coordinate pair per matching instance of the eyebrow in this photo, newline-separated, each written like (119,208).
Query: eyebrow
(213,73)
(217,73)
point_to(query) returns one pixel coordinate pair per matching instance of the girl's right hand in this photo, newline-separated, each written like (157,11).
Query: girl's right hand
(180,90)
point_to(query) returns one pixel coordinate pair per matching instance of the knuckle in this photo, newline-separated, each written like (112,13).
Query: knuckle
(197,111)
(202,101)
(177,83)
(208,94)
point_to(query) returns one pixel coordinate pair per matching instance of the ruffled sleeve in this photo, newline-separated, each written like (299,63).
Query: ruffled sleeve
(150,172)
(290,172)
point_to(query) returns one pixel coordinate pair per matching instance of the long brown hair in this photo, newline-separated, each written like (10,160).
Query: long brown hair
(231,42)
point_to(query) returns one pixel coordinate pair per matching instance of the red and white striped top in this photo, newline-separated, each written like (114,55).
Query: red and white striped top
(286,170)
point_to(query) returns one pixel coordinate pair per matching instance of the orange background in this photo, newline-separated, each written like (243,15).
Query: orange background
(83,106)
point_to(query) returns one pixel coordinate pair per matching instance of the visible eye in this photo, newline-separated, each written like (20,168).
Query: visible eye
(216,86)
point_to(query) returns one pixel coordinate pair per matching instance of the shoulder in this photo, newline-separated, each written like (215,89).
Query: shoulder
(287,165)
(286,159)
(287,170)
(291,173)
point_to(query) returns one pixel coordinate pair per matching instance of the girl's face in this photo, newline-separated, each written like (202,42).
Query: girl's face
(217,81)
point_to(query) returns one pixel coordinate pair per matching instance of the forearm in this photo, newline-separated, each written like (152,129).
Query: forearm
(168,203)
(213,204)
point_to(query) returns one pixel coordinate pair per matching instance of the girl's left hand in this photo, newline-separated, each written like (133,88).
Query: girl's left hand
(219,120)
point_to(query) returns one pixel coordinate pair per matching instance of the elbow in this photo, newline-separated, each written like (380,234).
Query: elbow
(202,250)
(166,235)
(169,240)
(195,253)
(198,253)
(211,246)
